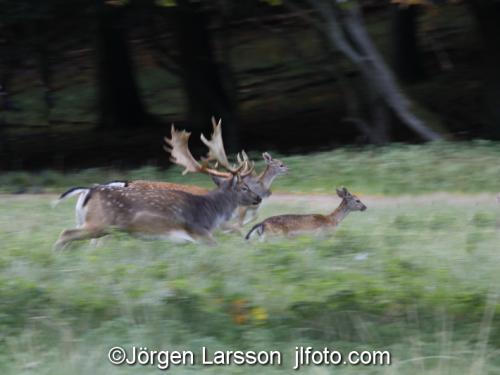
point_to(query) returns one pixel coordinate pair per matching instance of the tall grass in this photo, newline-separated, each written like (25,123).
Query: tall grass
(396,169)
(420,280)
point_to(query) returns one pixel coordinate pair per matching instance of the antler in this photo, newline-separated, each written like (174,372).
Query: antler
(216,147)
(178,148)
(249,165)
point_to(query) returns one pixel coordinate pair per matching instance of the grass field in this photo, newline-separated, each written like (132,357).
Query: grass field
(415,275)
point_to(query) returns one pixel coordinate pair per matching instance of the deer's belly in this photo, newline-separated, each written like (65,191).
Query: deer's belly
(149,223)
(297,224)
(177,236)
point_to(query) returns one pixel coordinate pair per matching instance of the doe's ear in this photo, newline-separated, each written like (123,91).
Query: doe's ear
(340,193)
(267,157)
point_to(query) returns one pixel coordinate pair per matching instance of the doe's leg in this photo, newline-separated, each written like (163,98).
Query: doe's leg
(242,212)
(247,214)
(253,214)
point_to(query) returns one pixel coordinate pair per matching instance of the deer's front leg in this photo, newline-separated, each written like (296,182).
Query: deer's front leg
(242,212)
(253,214)
(247,214)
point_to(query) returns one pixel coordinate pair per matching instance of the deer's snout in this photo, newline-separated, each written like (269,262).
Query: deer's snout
(363,208)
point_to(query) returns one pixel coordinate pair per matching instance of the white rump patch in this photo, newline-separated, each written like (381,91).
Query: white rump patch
(117,184)
(80,211)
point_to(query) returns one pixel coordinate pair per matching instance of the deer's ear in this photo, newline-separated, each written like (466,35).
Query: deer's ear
(340,193)
(267,157)
(235,181)
(346,192)
(219,181)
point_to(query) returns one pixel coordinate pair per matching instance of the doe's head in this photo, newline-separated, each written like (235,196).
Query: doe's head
(352,201)
(276,165)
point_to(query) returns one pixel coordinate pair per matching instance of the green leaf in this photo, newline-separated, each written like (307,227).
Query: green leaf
(166,3)
(273,2)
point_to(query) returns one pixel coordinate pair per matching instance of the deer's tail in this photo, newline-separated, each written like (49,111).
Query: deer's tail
(83,194)
(74,191)
(257,227)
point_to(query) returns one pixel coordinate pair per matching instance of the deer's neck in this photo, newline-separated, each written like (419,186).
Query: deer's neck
(267,177)
(339,213)
(221,204)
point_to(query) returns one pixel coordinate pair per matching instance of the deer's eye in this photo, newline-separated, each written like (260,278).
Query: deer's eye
(281,165)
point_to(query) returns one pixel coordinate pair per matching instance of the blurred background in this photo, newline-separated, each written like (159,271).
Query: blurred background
(399,101)
(94,83)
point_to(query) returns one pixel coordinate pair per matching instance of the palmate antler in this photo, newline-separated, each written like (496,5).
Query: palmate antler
(178,148)
(217,151)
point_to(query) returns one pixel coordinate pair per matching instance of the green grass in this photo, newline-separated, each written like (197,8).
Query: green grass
(420,280)
(396,169)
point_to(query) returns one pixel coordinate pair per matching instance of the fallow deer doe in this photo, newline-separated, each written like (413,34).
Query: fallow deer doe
(258,183)
(167,212)
(296,224)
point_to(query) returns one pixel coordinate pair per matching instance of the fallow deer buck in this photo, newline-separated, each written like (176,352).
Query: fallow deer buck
(296,224)
(167,212)
(258,183)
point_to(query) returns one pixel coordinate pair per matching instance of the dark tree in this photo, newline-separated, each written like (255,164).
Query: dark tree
(120,105)
(205,85)
(345,30)
(487,13)
(406,51)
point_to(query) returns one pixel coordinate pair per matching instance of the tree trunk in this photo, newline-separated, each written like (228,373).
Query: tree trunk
(8,61)
(44,68)
(488,19)
(406,51)
(353,41)
(380,118)
(207,95)
(120,105)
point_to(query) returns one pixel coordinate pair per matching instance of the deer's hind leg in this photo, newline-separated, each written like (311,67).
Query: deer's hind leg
(84,233)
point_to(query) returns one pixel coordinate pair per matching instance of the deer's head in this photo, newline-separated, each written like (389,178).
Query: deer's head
(245,195)
(276,166)
(352,202)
